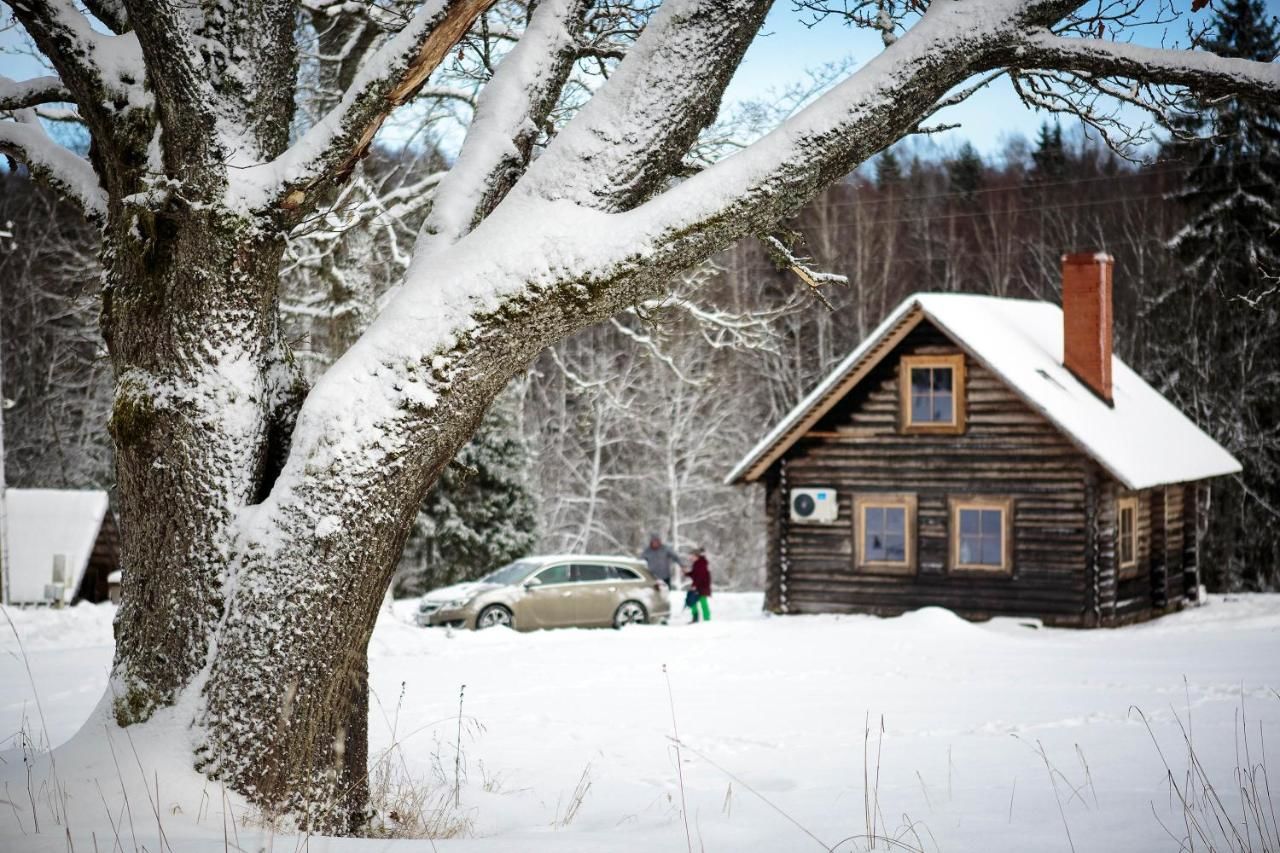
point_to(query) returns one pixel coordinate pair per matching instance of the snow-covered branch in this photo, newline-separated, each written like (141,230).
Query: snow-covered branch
(101,71)
(508,118)
(391,76)
(20,94)
(26,141)
(1204,72)
(103,74)
(64,36)
(633,134)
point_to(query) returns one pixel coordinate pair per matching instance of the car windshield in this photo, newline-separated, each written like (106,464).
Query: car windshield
(512,572)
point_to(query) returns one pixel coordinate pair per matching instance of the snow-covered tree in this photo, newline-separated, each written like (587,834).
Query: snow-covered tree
(262,519)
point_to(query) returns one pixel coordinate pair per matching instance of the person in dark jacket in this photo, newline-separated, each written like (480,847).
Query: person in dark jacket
(659,557)
(699,595)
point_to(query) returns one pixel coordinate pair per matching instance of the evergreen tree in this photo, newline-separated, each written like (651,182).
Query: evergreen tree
(966,173)
(1226,372)
(888,169)
(479,516)
(1049,160)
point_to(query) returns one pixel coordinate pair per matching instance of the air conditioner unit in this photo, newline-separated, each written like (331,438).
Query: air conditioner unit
(814,506)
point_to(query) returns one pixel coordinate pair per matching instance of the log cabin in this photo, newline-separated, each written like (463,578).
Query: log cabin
(991,456)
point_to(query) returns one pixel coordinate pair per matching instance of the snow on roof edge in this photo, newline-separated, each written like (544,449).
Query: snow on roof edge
(832,379)
(1134,470)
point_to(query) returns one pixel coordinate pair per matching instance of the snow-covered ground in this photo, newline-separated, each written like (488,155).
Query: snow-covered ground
(995,737)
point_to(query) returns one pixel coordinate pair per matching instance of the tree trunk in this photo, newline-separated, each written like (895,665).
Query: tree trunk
(201,402)
(206,397)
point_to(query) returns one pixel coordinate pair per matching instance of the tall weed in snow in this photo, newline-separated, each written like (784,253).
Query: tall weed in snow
(405,805)
(1210,822)
(874,836)
(55,800)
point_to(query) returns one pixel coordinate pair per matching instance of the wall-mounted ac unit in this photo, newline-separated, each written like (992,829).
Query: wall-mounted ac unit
(814,506)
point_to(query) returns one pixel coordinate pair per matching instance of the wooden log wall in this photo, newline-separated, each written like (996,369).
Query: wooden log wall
(104,559)
(1174,533)
(1134,593)
(1194,502)
(1007,450)
(775,502)
(1165,577)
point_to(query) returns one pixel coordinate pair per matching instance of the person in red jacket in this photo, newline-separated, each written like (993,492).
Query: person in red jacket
(699,575)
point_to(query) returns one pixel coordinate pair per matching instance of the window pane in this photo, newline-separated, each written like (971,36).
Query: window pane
(921,409)
(969,521)
(895,519)
(941,407)
(875,548)
(587,573)
(555,574)
(942,379)
(626,574)
(875,520)
(895,548)
(991,521)
(968,548)
(920,380)
(990,555)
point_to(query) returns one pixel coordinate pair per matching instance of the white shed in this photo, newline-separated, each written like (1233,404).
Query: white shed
(54,537)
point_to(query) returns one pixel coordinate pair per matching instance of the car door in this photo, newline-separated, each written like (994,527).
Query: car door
(550,602)
(596,594)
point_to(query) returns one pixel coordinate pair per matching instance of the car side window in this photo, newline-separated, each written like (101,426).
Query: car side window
(555,574)
(626,574)
(586,573)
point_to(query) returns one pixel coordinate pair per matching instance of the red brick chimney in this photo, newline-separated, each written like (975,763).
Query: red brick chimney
(1086,319)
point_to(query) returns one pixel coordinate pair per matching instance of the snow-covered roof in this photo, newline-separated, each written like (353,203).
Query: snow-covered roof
(43,523)
(1143,440)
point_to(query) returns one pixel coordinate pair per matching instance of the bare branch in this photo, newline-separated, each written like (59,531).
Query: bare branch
(781,253)
(964,94)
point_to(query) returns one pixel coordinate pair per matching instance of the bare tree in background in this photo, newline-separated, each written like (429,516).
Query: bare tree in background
(57,379)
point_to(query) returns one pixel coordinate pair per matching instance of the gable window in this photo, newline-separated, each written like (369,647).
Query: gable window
(884,533)
(981,534)
(1127,532)
(932,393)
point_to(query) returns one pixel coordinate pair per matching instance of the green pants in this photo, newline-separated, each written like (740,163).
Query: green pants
(701,602)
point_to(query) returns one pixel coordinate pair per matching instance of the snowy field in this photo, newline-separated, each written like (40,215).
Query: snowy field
(995,737)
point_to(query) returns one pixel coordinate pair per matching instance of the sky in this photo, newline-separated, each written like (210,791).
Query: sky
(787,49)
(787,46)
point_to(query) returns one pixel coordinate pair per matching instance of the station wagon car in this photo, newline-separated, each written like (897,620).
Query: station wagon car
(559,591)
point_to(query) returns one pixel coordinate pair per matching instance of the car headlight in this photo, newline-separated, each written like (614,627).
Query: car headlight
(455,604)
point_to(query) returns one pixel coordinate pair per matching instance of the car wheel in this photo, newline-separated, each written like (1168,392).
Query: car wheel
(493,616)
(630,613)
